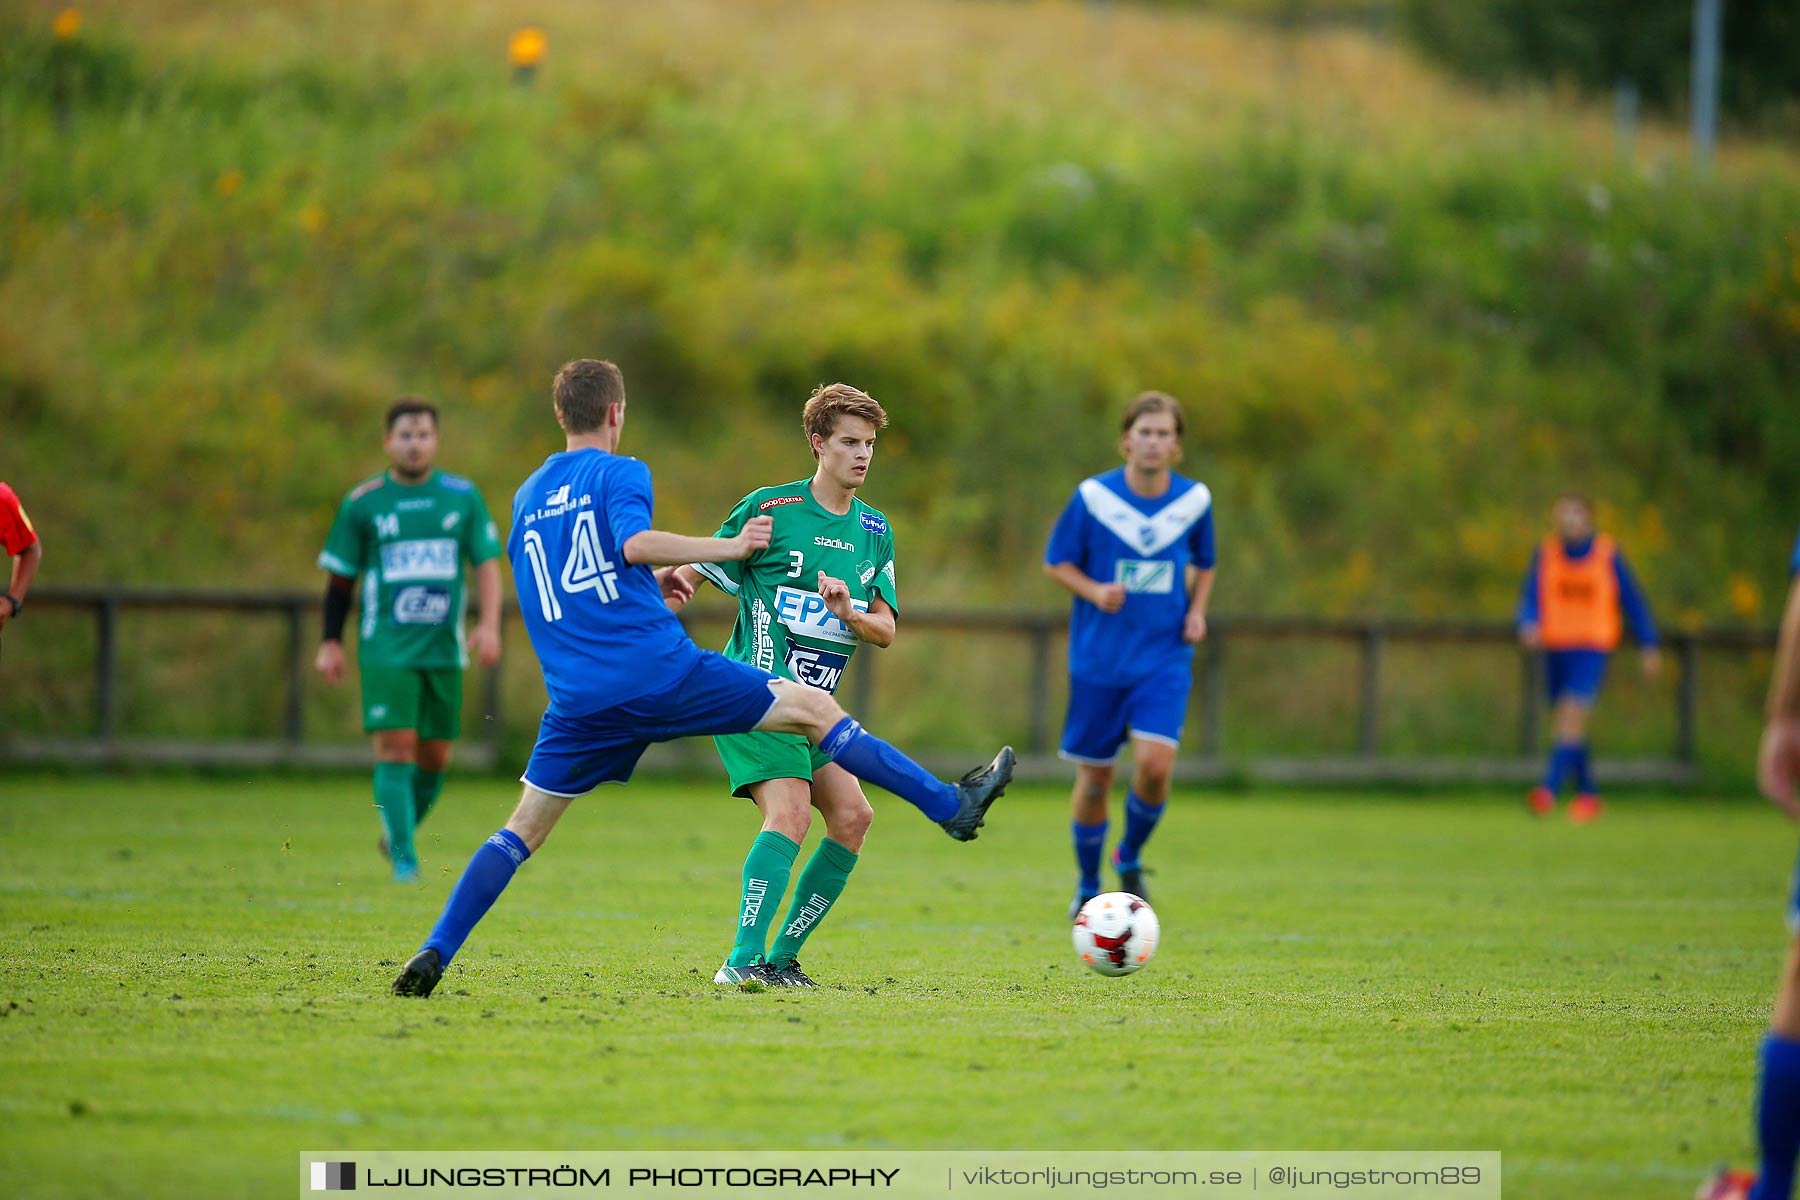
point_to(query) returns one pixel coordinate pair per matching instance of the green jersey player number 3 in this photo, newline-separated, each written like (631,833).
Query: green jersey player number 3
(783,623)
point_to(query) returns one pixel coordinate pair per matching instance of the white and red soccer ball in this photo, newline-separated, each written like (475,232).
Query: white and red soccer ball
(1116,933)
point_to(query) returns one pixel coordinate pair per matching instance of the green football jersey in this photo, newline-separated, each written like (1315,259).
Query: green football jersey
(406,545)
(782,622)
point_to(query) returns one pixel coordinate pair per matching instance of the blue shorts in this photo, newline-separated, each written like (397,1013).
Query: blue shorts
(1102,718)
(1574,673)
(576,753)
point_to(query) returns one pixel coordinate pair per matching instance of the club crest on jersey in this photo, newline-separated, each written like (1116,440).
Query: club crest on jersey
(450,521)
(874,522)
(422,606)
(419,558)
(865,571)
(805,613)
(1155,576)
(820,668)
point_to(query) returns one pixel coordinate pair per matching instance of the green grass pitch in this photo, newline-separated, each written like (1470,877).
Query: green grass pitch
(193,981)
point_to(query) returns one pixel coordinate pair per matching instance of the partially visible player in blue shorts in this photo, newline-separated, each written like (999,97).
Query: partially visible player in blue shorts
(621,671)
(1778,1084)
(1570,604)
(1135,545)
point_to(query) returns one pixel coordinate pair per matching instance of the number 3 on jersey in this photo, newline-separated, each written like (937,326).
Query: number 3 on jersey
(587,569)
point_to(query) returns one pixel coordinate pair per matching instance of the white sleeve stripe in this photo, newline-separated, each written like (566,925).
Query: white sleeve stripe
(719,578)
(336,565)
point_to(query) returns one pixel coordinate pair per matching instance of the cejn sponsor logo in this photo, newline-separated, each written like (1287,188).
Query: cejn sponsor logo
(819,668)
(422,558)
(1155,576)
(805,613)
(777,502)
(422,606)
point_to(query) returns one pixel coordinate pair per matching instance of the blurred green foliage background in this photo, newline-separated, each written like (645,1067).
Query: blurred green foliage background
(1403,312)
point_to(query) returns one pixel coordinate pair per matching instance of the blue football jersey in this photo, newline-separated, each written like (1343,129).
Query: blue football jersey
(1147,544)
(598,624)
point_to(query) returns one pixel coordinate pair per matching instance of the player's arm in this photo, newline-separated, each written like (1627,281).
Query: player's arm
(1199,578)
(329,661)
(341,558)
(1200,585)
(24,570)
(1637,612)
(629,505)
(1526,619)
(678,585)
(1066,555)
(876,626)
(1778,764)
(481,543)
(660,548)
(484,642)
(1107,597)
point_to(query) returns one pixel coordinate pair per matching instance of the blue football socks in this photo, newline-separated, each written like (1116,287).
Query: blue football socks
(1562,761)
(867,757)
(1584,775)
(486,876)
(1090,840)
(1140,822)
(1778,1117)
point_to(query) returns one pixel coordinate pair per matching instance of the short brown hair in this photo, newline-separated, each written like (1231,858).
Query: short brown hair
(834,400)
(407,406)
(584,390)
(1153,402)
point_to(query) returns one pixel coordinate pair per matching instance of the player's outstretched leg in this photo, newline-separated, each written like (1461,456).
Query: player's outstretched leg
(960,807)
(489,871)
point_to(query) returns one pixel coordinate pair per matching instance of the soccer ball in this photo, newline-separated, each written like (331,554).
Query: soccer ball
(1116,933)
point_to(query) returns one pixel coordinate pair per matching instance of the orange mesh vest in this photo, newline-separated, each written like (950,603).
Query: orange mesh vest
(1578,599)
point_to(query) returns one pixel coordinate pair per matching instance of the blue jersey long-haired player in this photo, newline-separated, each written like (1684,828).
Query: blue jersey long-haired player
(1135,546)
(622,673)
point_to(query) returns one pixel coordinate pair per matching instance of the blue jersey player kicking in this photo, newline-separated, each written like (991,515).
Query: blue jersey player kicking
(1135,545)
(621,671)
(1778,1088)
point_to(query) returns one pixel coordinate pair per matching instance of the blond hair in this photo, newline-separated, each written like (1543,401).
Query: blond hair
(834,400)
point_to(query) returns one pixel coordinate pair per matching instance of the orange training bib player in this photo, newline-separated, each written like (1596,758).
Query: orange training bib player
(1578,598)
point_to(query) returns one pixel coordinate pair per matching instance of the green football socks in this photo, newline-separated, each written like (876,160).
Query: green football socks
(766,872)
(394,797)
(425,789)
(821,883)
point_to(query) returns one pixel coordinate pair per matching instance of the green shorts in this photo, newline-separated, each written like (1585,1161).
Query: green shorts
(753,757)
(428,699)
